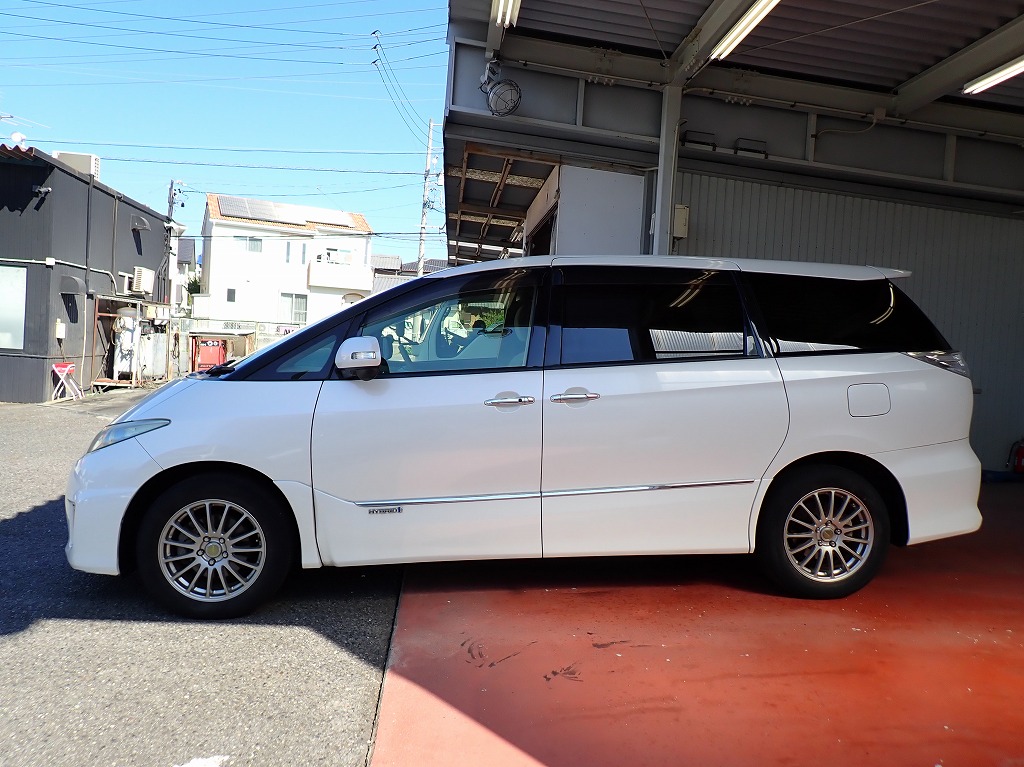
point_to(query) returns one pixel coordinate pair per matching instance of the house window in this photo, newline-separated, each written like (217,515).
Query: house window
(293,308)
(231,295)
(251,244)
(13,282)
(303,254)
(287,252)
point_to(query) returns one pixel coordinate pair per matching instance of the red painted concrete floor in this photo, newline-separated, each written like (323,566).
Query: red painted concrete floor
(695,661)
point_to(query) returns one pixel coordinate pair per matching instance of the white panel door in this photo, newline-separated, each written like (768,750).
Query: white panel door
(417,469)
(666,459)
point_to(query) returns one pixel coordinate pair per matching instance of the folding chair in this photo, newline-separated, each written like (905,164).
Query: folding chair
(65,385)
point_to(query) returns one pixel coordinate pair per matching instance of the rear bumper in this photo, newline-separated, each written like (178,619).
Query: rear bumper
(940,484)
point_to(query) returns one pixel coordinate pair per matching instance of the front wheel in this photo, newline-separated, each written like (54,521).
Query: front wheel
(214,546)
(823,532)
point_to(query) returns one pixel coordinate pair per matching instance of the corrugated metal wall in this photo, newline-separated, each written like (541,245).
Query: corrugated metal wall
(968,271)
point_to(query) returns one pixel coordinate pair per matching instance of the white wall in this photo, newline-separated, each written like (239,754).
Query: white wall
(260,278)
(545,200)
(599,213)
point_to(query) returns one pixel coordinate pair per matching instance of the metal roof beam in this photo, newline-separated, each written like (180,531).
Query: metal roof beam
(949,75)
(709,30)
(740,85)
(512,214)
(493,177)
(593,62)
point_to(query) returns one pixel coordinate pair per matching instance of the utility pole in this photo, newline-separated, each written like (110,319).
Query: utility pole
(426,199)
(171,199)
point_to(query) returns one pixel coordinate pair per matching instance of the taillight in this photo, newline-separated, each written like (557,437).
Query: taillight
(954,362)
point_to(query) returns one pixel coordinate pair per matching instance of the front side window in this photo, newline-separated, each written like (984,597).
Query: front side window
(816,315)
(477,323)
(640,314)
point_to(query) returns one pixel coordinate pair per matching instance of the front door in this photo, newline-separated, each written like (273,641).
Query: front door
(439,456)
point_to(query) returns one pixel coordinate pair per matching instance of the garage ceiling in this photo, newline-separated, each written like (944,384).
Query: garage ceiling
(896,58)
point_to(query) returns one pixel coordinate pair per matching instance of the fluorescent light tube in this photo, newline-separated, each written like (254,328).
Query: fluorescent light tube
(508,13)
(996,76)
(743,27)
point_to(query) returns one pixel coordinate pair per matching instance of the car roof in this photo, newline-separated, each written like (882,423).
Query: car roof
(764,266)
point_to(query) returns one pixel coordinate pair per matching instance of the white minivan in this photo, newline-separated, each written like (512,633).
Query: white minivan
(548,407)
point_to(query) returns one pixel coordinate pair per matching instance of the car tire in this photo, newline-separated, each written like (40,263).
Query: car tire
(214,546)
(823,532)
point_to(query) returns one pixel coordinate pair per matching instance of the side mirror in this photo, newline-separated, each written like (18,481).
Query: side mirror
(360,355)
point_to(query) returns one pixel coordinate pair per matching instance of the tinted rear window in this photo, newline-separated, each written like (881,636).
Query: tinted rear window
(637,314)
(807,315)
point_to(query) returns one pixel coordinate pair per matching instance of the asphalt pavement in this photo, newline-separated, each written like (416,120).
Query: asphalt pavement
(93,673)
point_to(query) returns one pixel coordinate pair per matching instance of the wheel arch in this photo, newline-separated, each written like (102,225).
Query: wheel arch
(878,475)
(157,484)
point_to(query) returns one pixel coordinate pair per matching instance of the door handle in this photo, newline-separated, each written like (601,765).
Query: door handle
(506,401)
(575,397)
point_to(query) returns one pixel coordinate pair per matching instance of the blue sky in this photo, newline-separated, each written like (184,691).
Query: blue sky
(265,98)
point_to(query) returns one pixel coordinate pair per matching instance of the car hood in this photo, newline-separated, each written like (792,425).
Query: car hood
(161,395)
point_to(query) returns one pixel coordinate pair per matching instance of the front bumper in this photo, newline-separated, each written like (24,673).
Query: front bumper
(99,490)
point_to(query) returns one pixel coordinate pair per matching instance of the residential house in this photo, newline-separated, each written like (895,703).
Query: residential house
(76,256)
(387,273)
(270,262)
(430,265)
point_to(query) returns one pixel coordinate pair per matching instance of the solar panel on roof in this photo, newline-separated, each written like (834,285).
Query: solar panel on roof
(289,214)
(233,206)
(282,213)
(261,210)
(332,217)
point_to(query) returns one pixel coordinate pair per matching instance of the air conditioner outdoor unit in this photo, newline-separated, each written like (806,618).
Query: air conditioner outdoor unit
(83,163)
(142,280)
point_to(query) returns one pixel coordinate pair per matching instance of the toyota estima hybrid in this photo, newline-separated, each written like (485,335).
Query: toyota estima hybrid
(548,407)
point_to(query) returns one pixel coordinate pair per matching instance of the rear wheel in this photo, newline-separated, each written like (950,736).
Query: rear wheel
(823,532)
(214,546)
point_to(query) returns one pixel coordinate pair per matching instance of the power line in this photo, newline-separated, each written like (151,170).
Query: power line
(196,19)
(277,150)
(394,90)
(379,47)
(123,32)
(290,78)
(260,167)
(203,53)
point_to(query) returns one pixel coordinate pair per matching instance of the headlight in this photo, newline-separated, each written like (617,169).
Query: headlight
(119,432)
